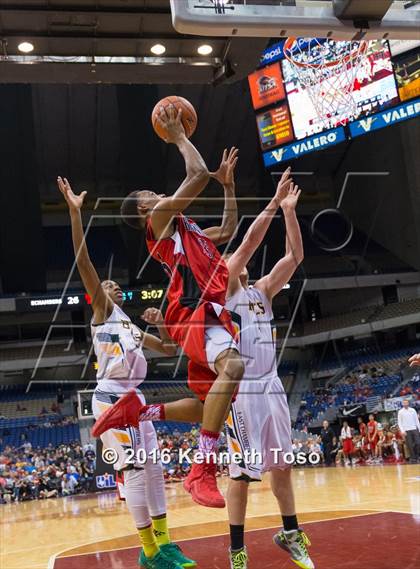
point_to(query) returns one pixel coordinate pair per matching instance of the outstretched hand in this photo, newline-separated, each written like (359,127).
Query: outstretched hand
(283,186)
(225,173)
(169,119)
(73,200)
(289,202)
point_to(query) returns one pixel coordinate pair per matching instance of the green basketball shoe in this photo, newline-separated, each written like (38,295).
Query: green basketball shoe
(159,561)
(174,552)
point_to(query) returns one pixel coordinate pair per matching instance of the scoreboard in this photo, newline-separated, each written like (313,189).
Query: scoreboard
(140,298)
(77,300)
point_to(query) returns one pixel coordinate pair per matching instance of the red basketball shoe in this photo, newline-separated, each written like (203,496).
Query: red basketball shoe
(125,411)
(201,484)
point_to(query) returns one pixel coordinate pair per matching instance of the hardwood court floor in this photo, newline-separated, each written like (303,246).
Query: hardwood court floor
(64,533)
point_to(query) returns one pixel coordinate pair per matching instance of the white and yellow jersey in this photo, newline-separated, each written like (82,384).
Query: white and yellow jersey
(118,347)
(252,316)
(259,420)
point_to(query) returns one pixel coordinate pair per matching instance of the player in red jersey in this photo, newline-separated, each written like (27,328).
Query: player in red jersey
(195,318)
(361,426)
(372,436)
(363,436)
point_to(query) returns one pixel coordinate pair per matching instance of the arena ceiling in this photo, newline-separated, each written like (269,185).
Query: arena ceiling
(100,135)
(109,41)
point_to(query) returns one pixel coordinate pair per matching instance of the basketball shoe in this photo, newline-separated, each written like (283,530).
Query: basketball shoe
(124,412)
(173,551)
(296,543)
(158,561)
(238,559)
(201,484)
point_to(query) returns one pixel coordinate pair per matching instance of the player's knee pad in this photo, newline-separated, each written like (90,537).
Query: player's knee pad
(135,496)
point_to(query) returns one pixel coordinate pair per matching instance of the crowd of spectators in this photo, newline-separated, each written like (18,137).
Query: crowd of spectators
(27,473)
(68,469)
(356,387)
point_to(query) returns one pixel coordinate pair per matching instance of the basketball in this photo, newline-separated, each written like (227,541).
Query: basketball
(189,116)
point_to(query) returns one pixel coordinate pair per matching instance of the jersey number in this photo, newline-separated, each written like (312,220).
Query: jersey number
(257,307)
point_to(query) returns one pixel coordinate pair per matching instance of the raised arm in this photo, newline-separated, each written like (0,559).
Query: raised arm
(225,175)
(101,303)
(255,234)
(195,181)
(164,344)
(282,271)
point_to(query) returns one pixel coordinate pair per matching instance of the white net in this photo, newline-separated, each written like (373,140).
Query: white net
(328,70)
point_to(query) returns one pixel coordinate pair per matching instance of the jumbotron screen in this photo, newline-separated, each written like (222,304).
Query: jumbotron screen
(287,120)
(374,89)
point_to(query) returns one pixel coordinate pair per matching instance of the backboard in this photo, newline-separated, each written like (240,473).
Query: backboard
(336,19)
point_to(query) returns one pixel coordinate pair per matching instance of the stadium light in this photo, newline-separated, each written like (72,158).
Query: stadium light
(204,49)
(158,49)
(26,47)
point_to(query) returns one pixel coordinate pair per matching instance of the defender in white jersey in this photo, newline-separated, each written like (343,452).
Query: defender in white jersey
(259,421)
(121,365)
(118,345)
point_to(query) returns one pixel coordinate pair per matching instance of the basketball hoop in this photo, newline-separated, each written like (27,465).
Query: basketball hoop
(328,70)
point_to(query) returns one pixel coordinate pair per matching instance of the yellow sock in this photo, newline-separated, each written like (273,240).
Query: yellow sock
(148,541)
(160,530)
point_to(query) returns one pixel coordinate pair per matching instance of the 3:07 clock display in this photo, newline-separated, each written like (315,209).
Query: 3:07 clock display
(152,294)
